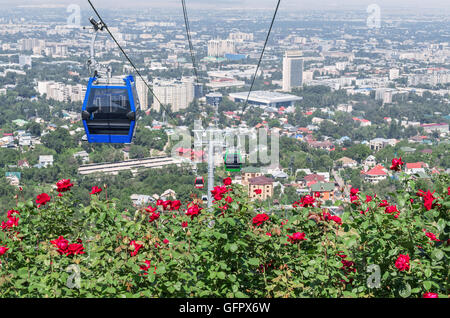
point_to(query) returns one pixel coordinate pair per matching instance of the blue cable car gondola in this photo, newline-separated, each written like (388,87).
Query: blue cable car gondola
(109,111)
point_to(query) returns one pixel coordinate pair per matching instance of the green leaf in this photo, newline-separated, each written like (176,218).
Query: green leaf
(233,247)
(253,261)
(160,270)
(437,255)
(221,275)
(405,290)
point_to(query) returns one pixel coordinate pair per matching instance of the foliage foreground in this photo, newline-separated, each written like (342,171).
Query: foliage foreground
(53,247)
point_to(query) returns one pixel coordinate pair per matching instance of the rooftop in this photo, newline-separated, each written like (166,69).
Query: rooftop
(266,97)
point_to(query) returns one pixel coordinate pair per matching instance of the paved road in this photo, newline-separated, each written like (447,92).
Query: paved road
(340,182)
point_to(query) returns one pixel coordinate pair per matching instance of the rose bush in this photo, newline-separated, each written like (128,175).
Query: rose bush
(235,249)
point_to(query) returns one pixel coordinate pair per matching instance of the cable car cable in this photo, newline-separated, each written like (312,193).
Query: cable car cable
(262,54)
(129,60)
(188,34)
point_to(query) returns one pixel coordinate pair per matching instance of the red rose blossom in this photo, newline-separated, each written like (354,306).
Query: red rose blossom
(428,199)
(397,164)
(193,211)
(307,201)
(96,190)
(296,237)
(154,216)
(175,205)
(42,199)
(136,248)
(227,181)
(402,262)
(431,236)
(3,250)
(430,295)
(260,219)
(258,191)
(63,185)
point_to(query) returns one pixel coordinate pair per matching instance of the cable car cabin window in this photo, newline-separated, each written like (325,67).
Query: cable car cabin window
(108,110)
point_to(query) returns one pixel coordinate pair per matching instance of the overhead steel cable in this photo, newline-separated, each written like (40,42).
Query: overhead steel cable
(188,34)
(262,54)
(126,56)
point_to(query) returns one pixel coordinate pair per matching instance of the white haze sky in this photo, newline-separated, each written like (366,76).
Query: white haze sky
(256,4)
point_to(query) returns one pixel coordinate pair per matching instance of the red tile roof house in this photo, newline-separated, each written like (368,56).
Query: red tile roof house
(191,154)
(311,179)
(260,183)
(375,175)
(415,167)
(325,145)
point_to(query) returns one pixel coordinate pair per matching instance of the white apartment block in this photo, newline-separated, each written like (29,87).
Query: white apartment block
(177,94)
(142,91)
(241,36)
(61,92)
(292,70)
(221,47)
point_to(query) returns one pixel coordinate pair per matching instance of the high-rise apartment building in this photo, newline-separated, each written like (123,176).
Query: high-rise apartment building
(241,36)
(221,47)
(292,70)
(142,91)
(176,93)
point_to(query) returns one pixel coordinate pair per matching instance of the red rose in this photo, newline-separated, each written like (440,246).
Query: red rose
(193,210)
(391,209)
(430,295)
(228,199)
(227,181)
(150,209)
(63,185)
(336,219)
(307,201)
(269,234)
(12,212)
(154,216)
(383,204)
(260,219)
(146,268)
(3,250)
(428,199)
(354,191)
(397,164)
(136,248)
(402,262)
(432,236)
(166,241)
(175,205)
(317,194)
(258,191)
(75,249)
(296,237)
(62,244)
(166,204)
(184,224)
(96,190)
(368,198)
(42,199)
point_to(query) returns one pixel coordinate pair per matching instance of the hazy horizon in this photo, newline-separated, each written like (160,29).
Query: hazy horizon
(324,5)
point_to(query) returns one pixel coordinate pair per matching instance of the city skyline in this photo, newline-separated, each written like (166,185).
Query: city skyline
(254,4)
